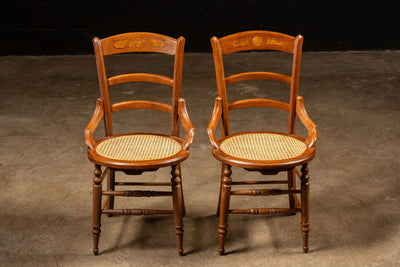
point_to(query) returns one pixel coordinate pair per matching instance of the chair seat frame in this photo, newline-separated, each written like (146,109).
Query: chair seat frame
(182,155)
(275,166)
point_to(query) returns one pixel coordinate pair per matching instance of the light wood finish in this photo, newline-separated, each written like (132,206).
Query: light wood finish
(266,152)
(121,152)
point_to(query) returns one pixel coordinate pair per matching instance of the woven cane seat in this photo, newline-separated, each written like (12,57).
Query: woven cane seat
(263,146)
(138,147)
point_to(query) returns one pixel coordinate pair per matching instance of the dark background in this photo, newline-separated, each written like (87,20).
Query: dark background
(67,27)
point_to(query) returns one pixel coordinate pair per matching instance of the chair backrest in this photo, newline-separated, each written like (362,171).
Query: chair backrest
(140,42)
(257,40)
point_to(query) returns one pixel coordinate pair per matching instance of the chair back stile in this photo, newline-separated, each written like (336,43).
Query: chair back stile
(177,85)
(294,90)
(221,84)
(101,73)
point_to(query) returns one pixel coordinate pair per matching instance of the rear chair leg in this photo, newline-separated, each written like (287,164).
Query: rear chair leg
(96,214)
(177,199)
(305,206)
(291,186)
(224,207)
(110,187)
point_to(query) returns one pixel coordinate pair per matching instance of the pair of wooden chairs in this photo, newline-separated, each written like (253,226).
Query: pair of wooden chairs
(135,153)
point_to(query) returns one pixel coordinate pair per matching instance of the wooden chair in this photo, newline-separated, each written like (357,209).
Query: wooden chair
(266,152)
(135,153)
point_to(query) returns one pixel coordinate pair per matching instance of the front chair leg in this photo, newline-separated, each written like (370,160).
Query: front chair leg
(177,199)
(181,193)
(224,207)
(96,214)
(220,188)
(305,206)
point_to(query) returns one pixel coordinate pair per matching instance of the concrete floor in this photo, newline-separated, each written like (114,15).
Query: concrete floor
(45,212)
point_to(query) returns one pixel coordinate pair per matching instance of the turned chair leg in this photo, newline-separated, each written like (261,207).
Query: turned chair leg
(183,202)
(305,206)
(110,187)
(291,186)
(220,189)
(96,214)
(177,199)
(181,193)
(224,207)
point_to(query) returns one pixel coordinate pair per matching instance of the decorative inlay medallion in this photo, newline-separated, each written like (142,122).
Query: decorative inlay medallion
(274,41)
(155,43)
(139,42)
(241,42)
(257,40)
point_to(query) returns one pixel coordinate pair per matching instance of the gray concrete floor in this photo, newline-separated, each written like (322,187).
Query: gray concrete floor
(46,177)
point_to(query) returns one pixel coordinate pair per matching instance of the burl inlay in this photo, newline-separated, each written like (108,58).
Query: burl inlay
(155,43)
(122,44)
(257,40)
(274,41)
(241,42)
(138,43)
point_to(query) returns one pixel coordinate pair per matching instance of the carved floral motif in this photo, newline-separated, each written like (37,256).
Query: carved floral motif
(139,42)
(257,40)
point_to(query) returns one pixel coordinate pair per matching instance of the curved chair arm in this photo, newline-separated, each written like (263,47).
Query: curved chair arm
(308,123)
(94,121)
(187,125)
(216,115)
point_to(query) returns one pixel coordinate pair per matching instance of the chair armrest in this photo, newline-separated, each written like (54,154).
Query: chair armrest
(216,115)
(308,123)
(187,125)
(94,121)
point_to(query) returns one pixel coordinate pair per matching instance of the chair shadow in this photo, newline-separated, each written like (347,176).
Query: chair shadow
(146,233)
(201,234)
(350,225)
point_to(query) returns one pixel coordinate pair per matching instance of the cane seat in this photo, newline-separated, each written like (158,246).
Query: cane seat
(263,146)
(139,147)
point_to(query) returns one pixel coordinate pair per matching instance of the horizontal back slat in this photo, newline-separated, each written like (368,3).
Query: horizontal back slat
(257,76)
(257,40)
(138,42)
(140,77)
(258,102)
(141,104)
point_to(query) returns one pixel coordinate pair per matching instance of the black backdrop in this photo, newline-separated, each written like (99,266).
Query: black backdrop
(67,27)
